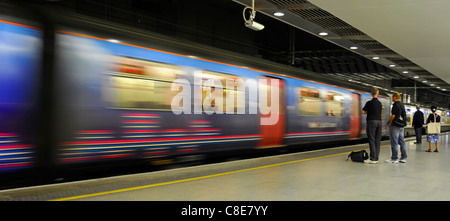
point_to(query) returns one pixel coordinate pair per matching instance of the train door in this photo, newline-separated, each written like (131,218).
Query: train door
(272,134)
(355,116)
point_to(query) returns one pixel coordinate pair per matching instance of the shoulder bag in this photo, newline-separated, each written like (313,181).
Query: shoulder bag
(434,127)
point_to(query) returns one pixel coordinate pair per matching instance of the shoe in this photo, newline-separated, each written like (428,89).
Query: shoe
(428,151)
(391,161)
(402,161)
(437,151)
(370,161)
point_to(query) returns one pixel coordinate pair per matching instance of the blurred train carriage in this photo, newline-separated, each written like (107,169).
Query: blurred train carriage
(21,41)
(101,93)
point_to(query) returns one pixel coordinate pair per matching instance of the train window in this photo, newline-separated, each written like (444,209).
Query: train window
(408,116)
(334,103)
(228,85)
(309,102)
(138,84)
(445,117)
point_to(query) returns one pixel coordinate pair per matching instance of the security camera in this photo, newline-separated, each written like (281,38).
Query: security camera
(254,25)
(249,23)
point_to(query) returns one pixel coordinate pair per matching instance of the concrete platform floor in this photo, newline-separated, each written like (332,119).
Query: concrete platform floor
(322,175)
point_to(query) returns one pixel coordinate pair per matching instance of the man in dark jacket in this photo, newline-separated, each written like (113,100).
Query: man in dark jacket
(418,124)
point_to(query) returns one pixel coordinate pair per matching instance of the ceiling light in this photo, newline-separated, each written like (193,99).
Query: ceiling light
(376,58)
(444,89)
(323,33)
(278,14)
(438,87)
(353,47)
(416,76)
(431,84)
(392,65)
(405,72)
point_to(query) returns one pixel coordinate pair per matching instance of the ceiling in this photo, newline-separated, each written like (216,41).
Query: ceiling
(410,34)
(416,29)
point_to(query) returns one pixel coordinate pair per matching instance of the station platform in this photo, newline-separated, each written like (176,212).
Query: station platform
(321,175)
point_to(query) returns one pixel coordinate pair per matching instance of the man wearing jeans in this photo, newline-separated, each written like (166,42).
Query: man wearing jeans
(397,131)
(373,110)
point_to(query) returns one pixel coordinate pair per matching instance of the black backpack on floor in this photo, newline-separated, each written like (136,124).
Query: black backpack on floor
(358,156)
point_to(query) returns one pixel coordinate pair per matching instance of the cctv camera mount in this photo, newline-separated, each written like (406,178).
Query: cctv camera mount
(250,23)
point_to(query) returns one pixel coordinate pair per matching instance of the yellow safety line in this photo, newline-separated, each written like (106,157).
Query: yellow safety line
(196,178)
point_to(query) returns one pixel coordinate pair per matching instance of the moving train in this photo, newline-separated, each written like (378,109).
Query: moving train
(77,91)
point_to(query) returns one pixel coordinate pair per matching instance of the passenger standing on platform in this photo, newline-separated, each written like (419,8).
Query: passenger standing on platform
(433,129)
(396,123)
(373,110)
(418,124)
